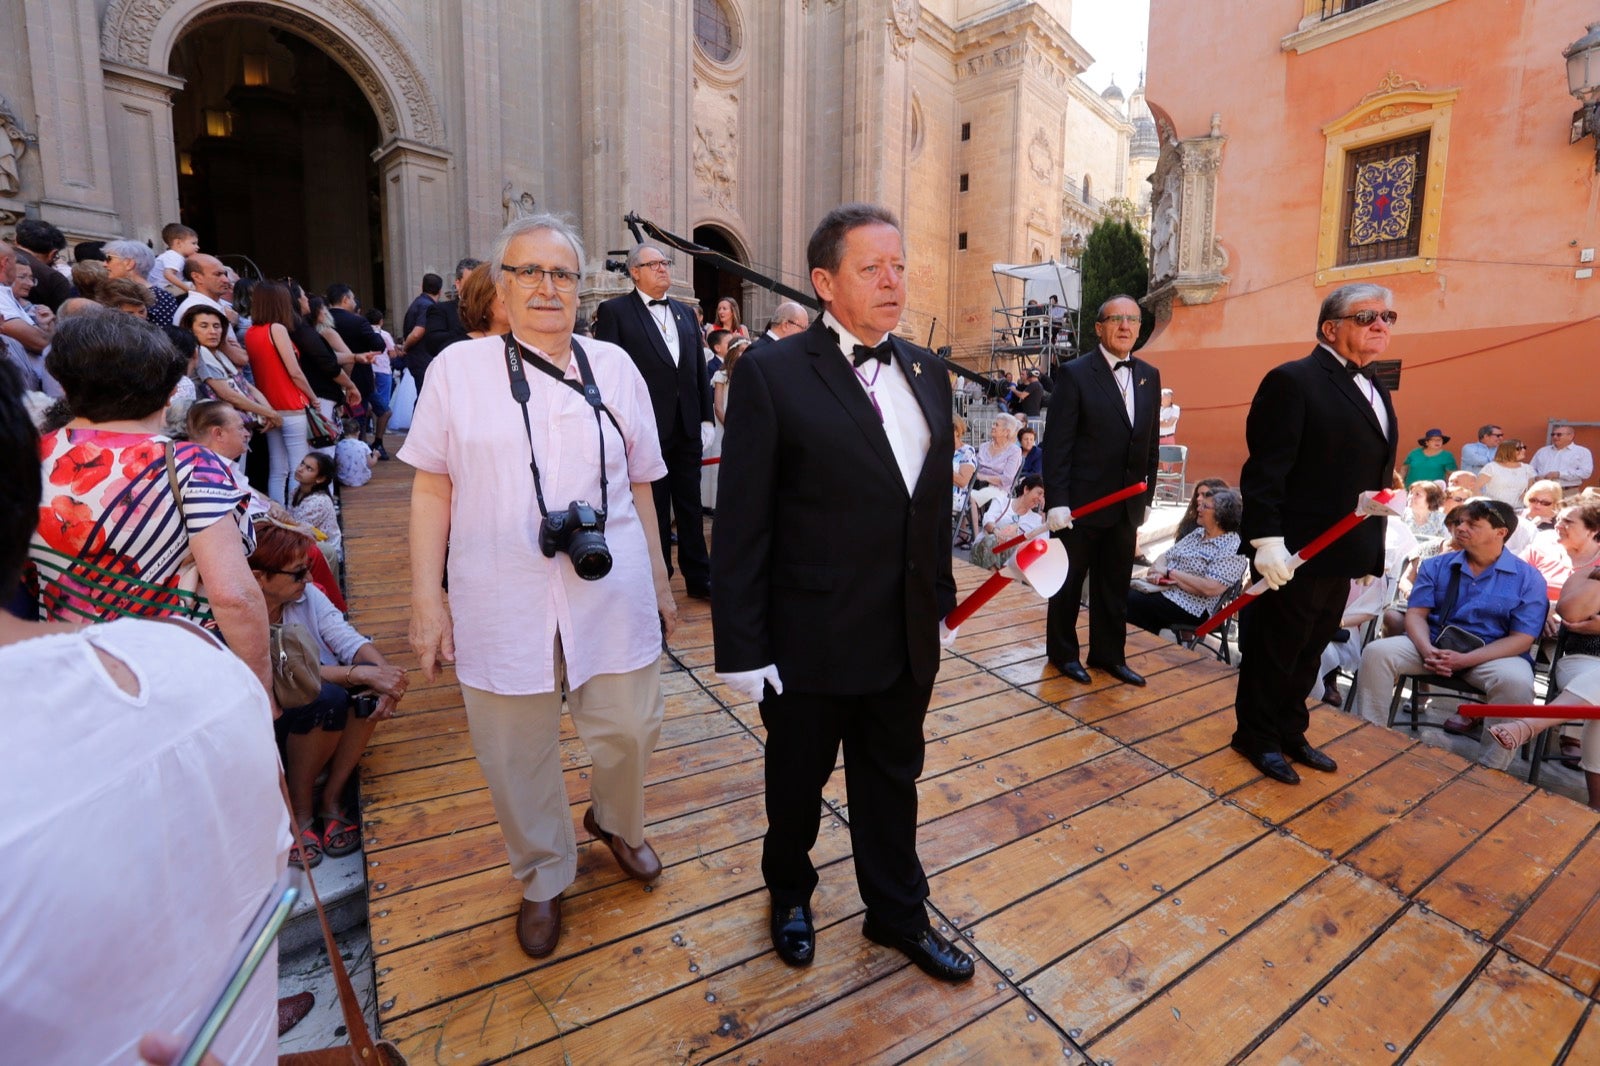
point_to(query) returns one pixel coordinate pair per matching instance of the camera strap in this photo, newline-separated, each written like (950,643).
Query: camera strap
(522,393)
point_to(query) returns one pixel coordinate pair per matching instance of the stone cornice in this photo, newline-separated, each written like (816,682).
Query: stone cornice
(1315,31)
(1014,36)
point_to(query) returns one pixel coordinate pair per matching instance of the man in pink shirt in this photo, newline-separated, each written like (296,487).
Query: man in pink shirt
(506,446)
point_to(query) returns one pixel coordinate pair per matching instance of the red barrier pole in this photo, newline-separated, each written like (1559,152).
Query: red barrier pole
(1088,508)
(991,588)
(1331,534)
(1561,712)
(713,461)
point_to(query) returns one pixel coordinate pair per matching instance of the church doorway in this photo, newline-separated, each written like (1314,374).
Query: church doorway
(711,284)
(275,171)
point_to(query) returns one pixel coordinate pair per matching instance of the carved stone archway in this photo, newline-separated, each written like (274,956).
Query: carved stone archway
(141,33)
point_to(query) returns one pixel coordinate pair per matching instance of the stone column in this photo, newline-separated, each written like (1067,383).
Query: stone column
(877,97)
(63,47)
(139,127)
(417,208)
(480,154)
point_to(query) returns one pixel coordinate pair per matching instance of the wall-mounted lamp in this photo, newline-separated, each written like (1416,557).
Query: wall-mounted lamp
(1583,82)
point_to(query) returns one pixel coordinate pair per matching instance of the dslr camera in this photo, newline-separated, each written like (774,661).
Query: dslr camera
(362,704)
(580,531)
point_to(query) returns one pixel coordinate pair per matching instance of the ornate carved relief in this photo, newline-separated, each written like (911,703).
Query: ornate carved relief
(1041,160)
(1187,260)
(128,36)
(903,18)
(716,159)
(1391,82)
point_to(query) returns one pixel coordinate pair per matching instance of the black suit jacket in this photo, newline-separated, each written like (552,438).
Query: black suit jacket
(825,565)
(442,326)
(1315,446)
(359,336)
(681,392)
(1090,448)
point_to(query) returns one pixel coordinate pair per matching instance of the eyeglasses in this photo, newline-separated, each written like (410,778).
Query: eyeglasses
(1542,503)
(1203,494)
(1367,318)
(528,275)
(654,264)
(293,575)
(1129,319)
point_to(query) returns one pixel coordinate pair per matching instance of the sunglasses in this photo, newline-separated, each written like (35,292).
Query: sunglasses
(293,575)
(1367,318)
(1543,503)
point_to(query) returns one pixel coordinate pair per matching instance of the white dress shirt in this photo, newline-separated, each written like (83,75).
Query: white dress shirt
(1124,380)
(1571,466)
(664,319)
(1367,387)
(889,391)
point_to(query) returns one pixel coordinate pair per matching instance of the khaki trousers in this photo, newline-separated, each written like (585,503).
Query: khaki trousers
(518,743)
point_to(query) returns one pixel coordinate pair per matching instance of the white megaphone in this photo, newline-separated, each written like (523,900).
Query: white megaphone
(1041,564)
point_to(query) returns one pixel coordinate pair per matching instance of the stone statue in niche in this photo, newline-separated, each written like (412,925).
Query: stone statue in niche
(516,205)
(716,162)
(1164,220)
(13,146)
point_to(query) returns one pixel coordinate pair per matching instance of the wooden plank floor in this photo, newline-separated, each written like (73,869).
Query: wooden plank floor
(1134,892)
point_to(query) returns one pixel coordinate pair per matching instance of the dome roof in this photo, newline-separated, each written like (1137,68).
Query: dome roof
(1113,93)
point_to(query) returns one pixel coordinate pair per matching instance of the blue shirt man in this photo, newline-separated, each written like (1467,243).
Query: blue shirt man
(1476,455)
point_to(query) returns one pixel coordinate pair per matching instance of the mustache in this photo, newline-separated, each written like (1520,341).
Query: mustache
(537,304)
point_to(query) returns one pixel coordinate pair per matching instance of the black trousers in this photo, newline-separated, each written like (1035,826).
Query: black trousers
(883,749)
(1154,612)
(679,494)
(1281,637)
(1103,555)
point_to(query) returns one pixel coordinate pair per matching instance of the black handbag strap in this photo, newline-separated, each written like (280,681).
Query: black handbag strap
(1452,592)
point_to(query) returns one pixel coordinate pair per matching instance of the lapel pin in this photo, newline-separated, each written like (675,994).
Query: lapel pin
(916,368)
(1142,381)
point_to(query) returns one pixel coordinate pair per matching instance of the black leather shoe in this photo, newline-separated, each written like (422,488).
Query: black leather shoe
(1125,675)
(699,592)
(1306,755)
(932,953)
(1273,765)
(1074,671)
(793,936)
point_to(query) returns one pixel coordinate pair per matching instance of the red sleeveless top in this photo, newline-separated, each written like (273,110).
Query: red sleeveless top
(267,368)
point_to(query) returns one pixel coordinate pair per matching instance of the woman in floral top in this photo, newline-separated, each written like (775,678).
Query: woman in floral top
(130,522)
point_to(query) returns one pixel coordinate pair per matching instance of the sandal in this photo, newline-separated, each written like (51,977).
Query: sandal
(340,836)
(308,852)
(1572,753)
(1513,734)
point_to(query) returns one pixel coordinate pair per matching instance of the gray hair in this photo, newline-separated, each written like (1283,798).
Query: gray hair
(144,260)
(1011,422)
(642,247)
(1337,303)
(790,311)
(534,224)
(1227,507)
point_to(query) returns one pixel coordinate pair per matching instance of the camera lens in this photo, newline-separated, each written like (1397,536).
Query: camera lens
(591,559)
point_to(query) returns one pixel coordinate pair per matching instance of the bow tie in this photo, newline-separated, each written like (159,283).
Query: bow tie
(658,303)
(1363,371)
(1122,364)
(880,352)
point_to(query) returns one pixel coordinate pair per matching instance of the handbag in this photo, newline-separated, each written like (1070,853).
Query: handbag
(319,431)
(296,666)
(1453,637)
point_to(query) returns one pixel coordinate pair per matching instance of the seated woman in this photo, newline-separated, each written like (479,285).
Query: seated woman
(1577,672)
(1429,461)
(332,730)
(1032,454)
(1196,571)
(1507,476)
(999,459)
(1191,517)
(1424,515)
(963,463)
(1009,518)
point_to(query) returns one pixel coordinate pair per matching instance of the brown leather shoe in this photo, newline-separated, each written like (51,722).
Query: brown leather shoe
(292,1009)
(539,926)
(639,863)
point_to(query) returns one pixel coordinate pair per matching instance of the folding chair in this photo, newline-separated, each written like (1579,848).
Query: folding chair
(1172,470)
(1186,636)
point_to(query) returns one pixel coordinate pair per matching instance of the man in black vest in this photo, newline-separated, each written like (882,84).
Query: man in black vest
(660,334)
(832,573)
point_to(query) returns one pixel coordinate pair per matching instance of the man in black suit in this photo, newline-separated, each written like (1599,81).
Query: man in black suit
(1320,432)
(788,319)
(1101,436)
(660,335)
(832,574)
(441,326)
(358,335)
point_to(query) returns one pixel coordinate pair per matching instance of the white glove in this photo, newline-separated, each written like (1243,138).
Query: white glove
(1273,561)
(1058,518)
(707,431)
(751,684)
(1368,505)
(947,637)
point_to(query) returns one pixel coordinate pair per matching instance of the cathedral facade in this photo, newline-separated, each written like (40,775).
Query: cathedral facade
(368,142)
